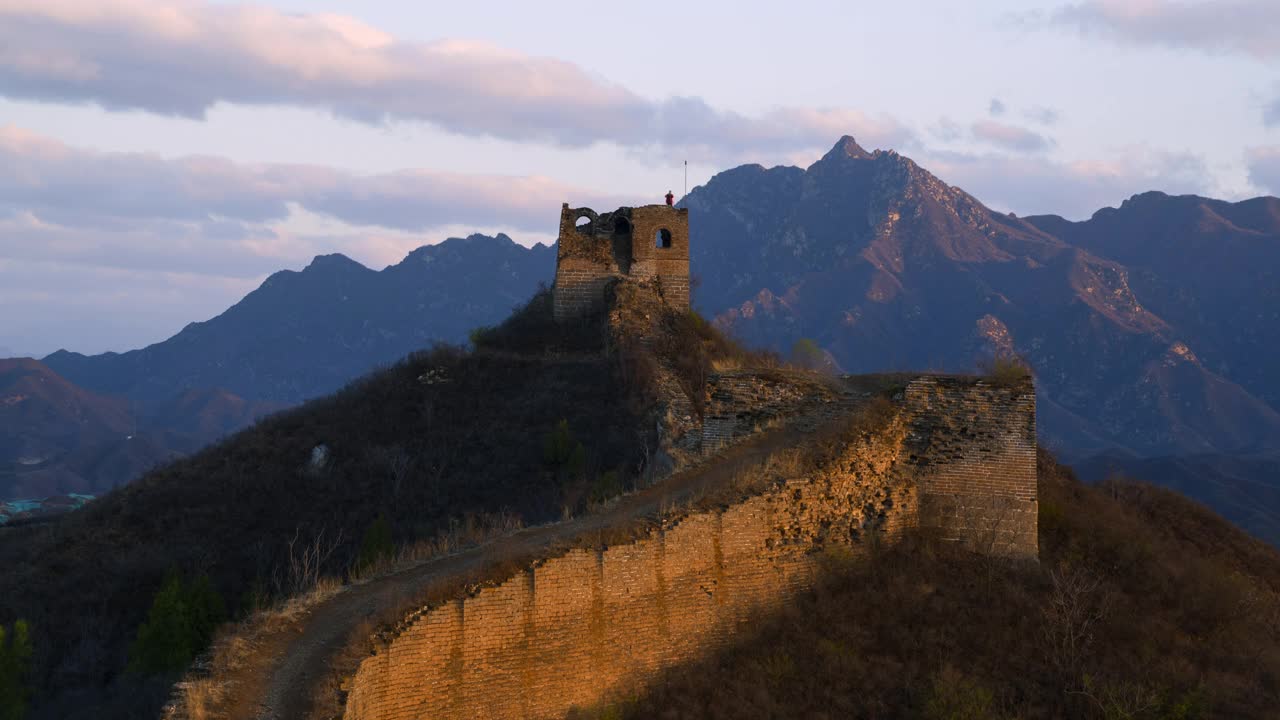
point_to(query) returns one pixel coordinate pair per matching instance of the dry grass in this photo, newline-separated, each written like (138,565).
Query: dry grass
(462,533)
(235,650)
(199,697)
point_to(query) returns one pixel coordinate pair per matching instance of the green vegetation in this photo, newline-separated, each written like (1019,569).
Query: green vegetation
(377,546)
(179,626)
(564,453)
(806,354)
(1006,370)
(15,664)
(954,696)
(1144,606)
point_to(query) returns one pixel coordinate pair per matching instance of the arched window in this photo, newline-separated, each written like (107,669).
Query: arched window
(583,223)
(662,238)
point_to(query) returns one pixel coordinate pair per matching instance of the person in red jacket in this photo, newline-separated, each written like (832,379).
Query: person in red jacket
(671,199)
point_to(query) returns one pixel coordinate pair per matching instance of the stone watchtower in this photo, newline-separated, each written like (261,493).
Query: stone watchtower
(641,243)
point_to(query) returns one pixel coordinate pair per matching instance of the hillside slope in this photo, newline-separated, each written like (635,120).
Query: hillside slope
(58,438)
(445,444)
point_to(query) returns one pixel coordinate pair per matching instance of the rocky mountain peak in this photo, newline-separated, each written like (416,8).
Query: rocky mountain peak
(334,262)
(846,147)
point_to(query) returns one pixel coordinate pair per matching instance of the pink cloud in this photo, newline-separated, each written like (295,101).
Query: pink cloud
(182,58)
(1238,26)
(1036,184)
(1009,137)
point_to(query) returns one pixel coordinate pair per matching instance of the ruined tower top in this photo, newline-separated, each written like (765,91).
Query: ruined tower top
(650,242)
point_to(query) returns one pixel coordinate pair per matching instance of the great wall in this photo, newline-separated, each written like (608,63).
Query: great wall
(595,625)
(586,622)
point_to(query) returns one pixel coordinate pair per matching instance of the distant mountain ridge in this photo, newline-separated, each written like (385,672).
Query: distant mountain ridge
(57,438)
(304,334)
(888,267)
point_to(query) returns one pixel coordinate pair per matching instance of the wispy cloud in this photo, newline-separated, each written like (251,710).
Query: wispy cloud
(1036,184)
(210,215)
(1228,26)
(1264,168)
(1009,137)
(182,58)
(1271,113)
(1041,115)
(83,188)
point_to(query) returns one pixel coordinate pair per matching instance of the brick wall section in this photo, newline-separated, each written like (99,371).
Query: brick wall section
(593,625)
(742,402)
(974,448)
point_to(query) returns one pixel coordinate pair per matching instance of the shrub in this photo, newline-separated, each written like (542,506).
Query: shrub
(479,336)
(1006,370)
(179,626)
(563,452)
(607,485)
(15,662)
(376,546)
(807,355)
(953,696)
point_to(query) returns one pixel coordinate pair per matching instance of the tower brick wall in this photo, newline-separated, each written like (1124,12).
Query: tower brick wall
(612,247)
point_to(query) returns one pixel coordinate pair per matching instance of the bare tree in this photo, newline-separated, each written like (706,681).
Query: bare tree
(305,561)
(1076,606)
(397,462)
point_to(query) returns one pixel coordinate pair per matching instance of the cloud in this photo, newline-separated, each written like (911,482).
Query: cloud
(51,188)
(1271,113)
(1264,168)
(1009,137)
(111,308)
(997,108)
(1035,184)
(1223,26)
(946,130)
(1042,115)
(182,58)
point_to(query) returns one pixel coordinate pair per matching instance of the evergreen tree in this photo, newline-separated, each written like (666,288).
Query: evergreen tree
(179,626)
(15,663)
(376,544)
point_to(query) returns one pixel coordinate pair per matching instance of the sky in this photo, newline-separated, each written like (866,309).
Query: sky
(160,158)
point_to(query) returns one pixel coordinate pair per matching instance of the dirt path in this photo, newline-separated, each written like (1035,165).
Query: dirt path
(302,657)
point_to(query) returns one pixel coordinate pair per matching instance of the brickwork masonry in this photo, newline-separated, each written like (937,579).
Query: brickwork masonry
(593,625)
(593,251)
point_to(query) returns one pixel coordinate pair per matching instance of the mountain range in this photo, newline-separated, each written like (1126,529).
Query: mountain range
(85,424)
(1151,327)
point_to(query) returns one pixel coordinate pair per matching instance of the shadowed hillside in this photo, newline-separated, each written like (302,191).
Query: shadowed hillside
(58,438)
(446,443)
